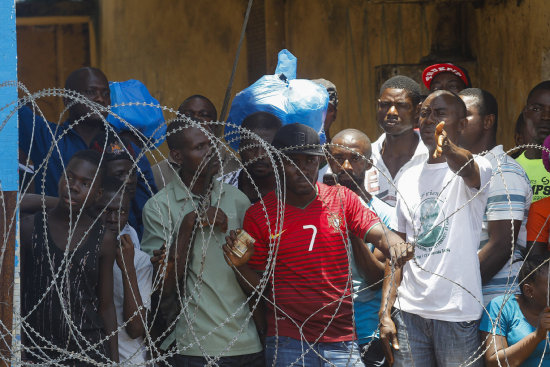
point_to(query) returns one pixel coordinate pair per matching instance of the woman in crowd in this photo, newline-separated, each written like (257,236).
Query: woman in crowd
(515,328)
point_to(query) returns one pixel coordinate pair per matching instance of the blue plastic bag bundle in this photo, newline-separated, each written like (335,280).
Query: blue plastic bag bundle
(148,120)
(290,99)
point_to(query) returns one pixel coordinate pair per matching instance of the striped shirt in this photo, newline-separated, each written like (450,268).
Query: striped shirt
(312,284)
(509,199)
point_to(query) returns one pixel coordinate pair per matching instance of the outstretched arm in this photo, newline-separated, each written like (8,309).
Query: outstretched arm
(500,354)
(388,332)
(460,160)
(391,244)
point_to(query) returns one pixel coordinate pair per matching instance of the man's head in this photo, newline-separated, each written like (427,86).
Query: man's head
(332,109)
(199,108)
(114,203)
(119,160)
(191,149)
(440,106)
(446,76)
(81,184)
(253,156)
(398,105)
(537,111)
(93,84)
(350,151)
(301,144)
(482,119)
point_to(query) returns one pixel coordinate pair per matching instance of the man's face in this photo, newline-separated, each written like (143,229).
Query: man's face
(396,113)
(195,155)
(96,88)
(434,110)
(254,157)
(447,81)
(301,174)
(116,208)
(537,114)
(124,171)
(199,110)
(76,190)
(473,131)
(349,164)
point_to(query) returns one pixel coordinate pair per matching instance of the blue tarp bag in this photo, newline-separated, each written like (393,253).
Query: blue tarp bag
(290,99)
(148,120)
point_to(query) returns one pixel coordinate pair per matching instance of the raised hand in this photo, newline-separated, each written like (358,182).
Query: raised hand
(440,137)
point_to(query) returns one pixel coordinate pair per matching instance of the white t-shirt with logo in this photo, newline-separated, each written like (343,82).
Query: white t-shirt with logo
(442,216)
(378,180)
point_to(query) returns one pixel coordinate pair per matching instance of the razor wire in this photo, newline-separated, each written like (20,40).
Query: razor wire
(202,235)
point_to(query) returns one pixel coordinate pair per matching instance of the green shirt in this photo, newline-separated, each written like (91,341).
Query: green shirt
(538,175)
(215,310)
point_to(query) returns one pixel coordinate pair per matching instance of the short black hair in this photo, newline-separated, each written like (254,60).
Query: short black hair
(406,83)
(531,268)
(90,156)
(74,78)
(486,102)
(200,96)
(175,132)
(262,121)
(460,103)
(545,85)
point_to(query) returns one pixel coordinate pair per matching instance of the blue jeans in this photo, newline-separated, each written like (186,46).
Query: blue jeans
(296,353)
(426,343)
(249,360)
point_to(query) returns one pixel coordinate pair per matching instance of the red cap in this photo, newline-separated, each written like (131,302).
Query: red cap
(431,71)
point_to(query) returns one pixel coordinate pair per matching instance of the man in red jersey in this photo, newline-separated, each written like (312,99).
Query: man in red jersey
(302,253)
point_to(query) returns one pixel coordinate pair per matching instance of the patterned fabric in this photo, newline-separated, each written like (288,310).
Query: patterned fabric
(509,199)
(311,277)
(74,290)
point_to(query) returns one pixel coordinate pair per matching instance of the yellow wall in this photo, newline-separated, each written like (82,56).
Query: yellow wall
(183,47)
(343,40)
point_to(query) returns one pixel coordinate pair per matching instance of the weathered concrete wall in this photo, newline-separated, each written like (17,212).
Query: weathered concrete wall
(344,40)
(177,48)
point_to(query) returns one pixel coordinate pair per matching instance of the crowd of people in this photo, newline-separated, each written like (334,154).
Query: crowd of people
(427,247)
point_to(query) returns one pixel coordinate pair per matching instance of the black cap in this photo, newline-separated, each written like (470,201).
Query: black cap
(297,138)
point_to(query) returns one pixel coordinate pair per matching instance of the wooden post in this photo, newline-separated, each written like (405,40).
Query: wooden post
(8,176)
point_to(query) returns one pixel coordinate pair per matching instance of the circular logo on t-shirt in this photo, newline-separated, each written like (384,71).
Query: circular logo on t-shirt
(433,226)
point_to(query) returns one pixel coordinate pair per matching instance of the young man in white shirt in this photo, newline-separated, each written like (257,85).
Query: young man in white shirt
(440,208)
(400,147)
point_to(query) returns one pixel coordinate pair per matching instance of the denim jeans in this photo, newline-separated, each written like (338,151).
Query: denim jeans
(249,360)
(296,353)
(425,342)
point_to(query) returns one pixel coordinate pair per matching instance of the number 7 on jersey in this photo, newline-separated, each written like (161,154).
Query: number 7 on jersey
(313,235)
